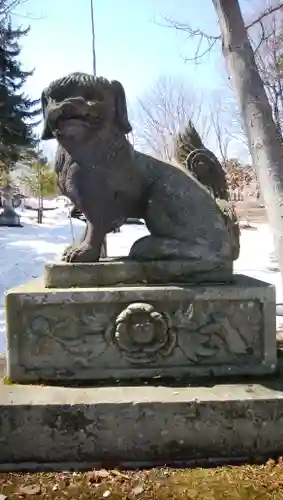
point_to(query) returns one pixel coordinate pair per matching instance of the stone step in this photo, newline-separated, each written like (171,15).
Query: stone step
(58,427)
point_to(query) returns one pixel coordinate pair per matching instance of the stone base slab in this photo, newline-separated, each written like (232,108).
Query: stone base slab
(109,272)
(10,219)
(135,426)
(142,332)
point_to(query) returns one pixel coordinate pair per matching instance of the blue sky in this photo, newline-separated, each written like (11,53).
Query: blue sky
(131,45)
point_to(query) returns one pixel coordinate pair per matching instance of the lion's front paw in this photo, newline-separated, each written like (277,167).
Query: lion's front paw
(67,250)
(80,253)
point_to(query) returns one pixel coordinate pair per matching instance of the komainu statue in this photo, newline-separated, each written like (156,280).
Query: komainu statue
(108,181)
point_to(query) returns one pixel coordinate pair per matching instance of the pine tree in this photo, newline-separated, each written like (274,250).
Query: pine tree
(17,110)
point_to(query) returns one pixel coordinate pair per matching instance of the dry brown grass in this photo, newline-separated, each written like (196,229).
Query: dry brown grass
(246,482)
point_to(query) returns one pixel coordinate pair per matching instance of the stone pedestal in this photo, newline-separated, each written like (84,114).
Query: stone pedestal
(110,272)
(10,218)
(135,338)
(126,332)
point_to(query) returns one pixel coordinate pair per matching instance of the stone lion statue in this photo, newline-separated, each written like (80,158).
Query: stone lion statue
(108,181)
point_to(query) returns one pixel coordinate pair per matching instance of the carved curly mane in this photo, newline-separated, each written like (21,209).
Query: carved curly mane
(191,153)
(88,82)
(186,142)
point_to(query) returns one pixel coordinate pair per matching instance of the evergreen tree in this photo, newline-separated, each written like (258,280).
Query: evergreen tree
(17,110)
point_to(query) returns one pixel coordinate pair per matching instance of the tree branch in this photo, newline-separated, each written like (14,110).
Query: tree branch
(8,7)
(163,110)
(211,40)
(264,14)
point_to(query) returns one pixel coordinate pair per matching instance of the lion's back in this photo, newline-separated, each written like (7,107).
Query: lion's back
(173,181)
(178,203)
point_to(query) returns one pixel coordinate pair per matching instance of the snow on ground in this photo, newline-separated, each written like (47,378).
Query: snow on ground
(25,250)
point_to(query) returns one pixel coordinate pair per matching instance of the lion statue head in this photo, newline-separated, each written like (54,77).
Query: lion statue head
(80,104)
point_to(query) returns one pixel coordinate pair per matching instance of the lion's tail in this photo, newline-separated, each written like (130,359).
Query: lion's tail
(191,153)
(186,142)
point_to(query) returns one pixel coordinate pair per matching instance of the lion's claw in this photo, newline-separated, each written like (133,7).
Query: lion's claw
(67,250)
(80,253)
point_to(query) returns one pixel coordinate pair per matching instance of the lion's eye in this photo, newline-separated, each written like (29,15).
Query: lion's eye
(91,95)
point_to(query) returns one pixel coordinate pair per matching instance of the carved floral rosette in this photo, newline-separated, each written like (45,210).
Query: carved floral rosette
(142,334)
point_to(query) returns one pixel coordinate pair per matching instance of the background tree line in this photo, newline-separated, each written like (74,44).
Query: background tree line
(168,105)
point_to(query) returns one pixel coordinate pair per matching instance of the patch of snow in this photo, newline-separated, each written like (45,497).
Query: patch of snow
(32,202)
(257,258)
(25,251)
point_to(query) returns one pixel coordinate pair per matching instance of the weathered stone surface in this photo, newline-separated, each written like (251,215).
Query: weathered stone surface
(140,332)
(9,218)
(109,181)
(113,272)
(138,425)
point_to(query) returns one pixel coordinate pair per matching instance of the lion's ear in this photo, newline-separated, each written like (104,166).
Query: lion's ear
(46,133)
(120,103)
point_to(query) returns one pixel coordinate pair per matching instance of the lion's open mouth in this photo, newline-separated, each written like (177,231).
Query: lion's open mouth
(77,120)
(66,119)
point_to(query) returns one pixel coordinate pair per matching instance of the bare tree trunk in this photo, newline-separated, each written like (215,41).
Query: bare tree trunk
(264,145)
(39,220)
(277,120)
